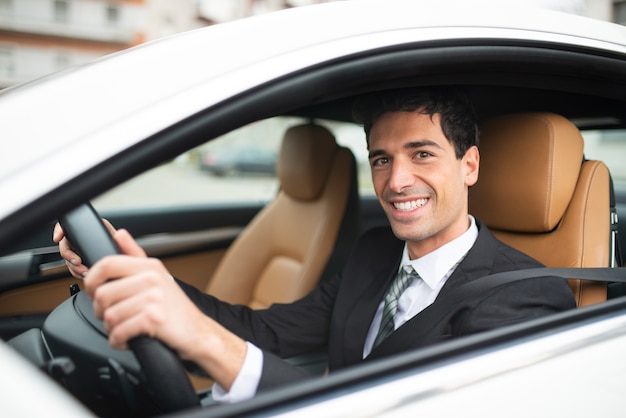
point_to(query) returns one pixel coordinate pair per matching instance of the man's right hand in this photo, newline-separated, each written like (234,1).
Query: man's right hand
(136,295)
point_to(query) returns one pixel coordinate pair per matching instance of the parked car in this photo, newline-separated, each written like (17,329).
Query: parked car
(118,124)
(245,160)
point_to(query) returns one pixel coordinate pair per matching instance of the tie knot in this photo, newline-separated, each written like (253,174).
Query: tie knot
(402,281)
(409,270)
(408,273)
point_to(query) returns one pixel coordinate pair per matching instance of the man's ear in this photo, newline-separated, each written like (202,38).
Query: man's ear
(471,162)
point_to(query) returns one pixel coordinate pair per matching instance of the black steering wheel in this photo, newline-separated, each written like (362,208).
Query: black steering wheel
(166,382)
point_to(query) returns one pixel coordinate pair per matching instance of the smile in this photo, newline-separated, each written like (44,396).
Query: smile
(410,205)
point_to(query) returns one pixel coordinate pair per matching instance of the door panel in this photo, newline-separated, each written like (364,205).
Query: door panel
(33,282)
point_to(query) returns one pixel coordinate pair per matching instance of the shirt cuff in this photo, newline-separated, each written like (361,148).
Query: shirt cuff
(247,381)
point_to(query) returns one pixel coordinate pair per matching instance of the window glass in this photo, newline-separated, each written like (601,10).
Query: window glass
(235,168)
(351,135)
(61,11)
(619,12)
(112,14)
(7,61)
(62,59)
(608,146)
(6,6)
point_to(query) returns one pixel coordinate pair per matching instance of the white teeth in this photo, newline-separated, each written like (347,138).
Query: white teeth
(413,204)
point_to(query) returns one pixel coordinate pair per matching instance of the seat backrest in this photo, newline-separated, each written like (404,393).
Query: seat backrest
(281,255)
(538,194)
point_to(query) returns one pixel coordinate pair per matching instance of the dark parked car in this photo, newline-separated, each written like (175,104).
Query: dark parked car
(545,85)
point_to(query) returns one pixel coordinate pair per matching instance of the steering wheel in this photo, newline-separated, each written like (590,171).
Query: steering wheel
(165,378)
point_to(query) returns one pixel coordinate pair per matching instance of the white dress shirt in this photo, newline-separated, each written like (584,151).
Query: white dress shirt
(434,269)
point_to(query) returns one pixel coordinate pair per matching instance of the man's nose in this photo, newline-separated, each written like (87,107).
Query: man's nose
(400,177)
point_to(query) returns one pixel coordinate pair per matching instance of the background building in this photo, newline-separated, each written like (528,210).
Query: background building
(38,37)
(42,36)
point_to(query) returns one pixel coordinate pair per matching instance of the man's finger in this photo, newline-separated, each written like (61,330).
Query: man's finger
(127,244)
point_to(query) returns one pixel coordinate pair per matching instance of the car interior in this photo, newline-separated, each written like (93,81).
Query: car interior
(545,187)
(302,236)
(289,244)
(556,209)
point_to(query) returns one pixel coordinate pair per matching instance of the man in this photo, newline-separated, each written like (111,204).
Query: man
(423,151)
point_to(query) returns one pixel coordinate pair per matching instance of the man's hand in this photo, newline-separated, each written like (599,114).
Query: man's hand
(136,295)
(72,260)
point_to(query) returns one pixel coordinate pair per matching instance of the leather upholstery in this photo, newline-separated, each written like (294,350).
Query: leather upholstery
(537,194)
(280,256)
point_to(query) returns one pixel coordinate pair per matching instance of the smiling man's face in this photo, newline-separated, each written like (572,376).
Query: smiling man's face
(421,185)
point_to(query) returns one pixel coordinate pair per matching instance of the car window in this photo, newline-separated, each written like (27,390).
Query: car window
(608,146)
(237,167)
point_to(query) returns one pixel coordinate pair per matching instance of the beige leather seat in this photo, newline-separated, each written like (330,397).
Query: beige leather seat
(537,194)
(281,255)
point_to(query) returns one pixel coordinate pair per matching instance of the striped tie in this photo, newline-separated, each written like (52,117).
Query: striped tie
(399,285)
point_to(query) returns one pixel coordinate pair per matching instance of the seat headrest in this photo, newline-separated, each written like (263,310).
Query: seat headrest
(529,167)
(306,157)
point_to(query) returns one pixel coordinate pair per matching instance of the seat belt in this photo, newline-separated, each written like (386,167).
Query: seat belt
(493,281)
(440,308)
(598,274)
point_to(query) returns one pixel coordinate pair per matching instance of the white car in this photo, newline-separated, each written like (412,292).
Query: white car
(126,131)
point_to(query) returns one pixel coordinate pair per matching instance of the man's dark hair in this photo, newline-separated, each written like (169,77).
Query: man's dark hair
(458,120)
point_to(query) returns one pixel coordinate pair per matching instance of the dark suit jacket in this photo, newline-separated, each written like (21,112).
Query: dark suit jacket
(338,313)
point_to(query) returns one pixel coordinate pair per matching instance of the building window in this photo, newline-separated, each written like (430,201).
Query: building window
(6,7)
(113,14)
(62,60)
(7,61)
(619,12)
(61,11)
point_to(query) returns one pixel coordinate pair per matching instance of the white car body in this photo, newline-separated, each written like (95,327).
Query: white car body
(57,128)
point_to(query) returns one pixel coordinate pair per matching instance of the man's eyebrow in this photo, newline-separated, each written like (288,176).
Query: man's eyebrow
(376,153)
(422,143)
(408,145)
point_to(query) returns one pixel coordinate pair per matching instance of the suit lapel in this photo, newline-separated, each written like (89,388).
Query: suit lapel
(477,263)
(374,274)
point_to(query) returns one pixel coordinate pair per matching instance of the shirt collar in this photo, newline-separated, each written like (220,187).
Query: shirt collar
(437,265)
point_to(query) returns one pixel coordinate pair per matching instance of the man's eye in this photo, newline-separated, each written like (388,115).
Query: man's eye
(423,154)
(379,161)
